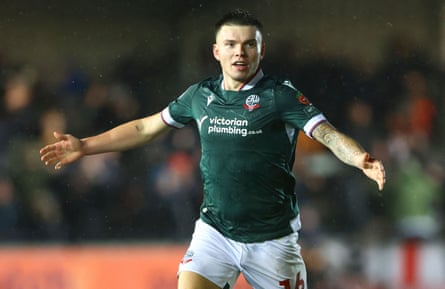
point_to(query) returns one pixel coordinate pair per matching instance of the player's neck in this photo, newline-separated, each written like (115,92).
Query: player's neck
(234,85)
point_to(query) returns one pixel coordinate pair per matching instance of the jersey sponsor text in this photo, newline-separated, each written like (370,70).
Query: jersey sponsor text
(229,126)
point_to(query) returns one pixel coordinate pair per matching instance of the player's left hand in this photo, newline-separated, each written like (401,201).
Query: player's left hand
(375,170)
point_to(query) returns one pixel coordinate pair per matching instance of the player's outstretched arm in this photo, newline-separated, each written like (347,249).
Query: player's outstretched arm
(350,152)
(68,149)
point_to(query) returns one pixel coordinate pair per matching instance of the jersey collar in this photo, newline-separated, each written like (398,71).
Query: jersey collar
(249,83)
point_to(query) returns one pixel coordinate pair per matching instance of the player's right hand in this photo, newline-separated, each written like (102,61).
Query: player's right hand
(66,150)
(375,170)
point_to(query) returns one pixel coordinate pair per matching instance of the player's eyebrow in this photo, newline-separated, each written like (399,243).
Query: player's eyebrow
(235,41)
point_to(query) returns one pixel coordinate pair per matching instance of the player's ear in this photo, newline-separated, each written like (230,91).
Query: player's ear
(215,51)
(263,50)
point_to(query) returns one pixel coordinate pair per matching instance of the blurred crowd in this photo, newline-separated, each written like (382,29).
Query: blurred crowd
(396,111)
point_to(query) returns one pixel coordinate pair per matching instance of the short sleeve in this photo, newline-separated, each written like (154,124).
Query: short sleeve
(179,112)
(296,110)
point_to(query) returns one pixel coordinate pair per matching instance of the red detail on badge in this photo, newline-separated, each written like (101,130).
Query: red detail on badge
(251,107)
(302,99)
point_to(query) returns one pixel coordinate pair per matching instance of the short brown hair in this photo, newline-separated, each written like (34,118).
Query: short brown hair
(239,17)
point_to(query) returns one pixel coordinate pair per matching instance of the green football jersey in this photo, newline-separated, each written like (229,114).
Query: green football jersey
(248,141)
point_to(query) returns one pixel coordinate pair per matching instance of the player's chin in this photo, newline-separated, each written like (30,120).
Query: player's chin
(242,75)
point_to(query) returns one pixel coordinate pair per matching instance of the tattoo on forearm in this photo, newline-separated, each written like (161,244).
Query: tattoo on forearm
(345,148)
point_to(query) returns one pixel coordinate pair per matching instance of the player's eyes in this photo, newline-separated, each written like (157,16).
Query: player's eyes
(251,44)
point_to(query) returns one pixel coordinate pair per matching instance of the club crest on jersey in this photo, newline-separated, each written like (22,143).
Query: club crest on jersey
(252,102)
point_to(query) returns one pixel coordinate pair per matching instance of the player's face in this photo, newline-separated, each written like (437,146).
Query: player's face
(239,50)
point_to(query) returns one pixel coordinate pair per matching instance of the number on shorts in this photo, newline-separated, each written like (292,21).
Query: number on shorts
(299,284)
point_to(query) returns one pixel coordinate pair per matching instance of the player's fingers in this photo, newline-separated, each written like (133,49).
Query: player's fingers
(374,164)
(49,160)
(47,154)
(50,157)
(58,166)
(380,184)
(58,135)
(62,162)
(381,176)
(368,162)
(46,149)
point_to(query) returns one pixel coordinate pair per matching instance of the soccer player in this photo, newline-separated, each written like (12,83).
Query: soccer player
(248,124)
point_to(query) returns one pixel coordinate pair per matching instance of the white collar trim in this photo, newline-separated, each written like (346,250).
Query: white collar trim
(251,84)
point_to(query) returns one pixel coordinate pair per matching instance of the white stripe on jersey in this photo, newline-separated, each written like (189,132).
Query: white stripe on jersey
(312,124)
(169,120)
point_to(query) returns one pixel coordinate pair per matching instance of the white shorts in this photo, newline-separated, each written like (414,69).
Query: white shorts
(274,264)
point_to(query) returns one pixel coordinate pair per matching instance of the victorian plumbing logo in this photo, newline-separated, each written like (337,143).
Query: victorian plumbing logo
(224,126)
(230,126)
